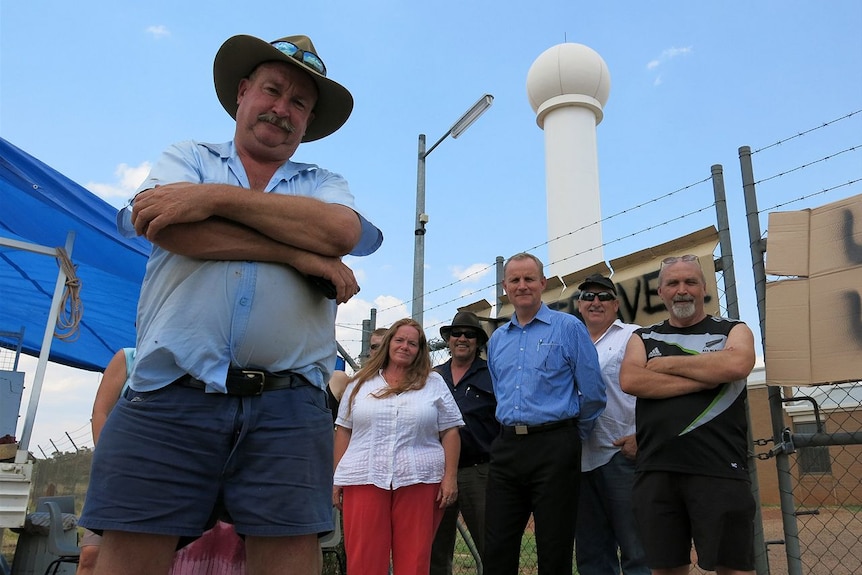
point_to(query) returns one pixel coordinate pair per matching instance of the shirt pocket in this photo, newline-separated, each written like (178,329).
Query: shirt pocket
(549,357)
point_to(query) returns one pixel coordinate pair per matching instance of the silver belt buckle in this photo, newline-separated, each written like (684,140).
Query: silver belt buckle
(250,374)
(521,430)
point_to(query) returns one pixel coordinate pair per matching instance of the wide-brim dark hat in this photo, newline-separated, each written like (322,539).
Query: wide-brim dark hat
(465,319)
(598,279)
(240,55)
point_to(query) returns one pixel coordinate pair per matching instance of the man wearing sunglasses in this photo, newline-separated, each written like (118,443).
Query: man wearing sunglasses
(606,540)
(467,376)
(692,480)
(236,321)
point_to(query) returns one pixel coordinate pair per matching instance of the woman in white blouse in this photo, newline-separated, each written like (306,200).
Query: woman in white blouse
(396,456)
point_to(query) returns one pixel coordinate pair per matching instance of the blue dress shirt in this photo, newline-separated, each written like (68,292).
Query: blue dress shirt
(546,371)
(202,317)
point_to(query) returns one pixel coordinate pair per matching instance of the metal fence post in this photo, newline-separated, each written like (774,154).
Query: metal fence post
(782,461)
(761,558)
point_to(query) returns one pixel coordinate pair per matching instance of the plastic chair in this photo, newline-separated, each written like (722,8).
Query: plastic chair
(329,543)
(66,503)
(65,552)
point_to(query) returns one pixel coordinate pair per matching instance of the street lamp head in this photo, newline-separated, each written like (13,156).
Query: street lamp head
(472,115)
(456,130)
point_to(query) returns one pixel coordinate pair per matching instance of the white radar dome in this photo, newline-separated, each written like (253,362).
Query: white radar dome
(568,74)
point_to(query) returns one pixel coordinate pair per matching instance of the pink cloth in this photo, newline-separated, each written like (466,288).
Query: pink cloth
(219,551)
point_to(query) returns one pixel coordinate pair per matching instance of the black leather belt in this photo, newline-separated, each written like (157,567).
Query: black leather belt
(248,382)
(540,428)
(471,461)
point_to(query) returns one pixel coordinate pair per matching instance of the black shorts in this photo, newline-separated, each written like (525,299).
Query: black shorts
(671,509)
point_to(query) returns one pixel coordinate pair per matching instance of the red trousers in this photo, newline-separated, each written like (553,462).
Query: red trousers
(380,522)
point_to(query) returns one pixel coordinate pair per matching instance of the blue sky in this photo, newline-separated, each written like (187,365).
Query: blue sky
(98,89)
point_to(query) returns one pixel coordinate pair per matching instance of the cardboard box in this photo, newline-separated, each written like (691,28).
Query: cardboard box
(836,237)
(788,333)
(8,451)
(836,326)
(787,244)
(813,242)
(814,322)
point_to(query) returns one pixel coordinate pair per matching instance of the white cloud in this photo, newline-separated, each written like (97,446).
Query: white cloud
(665,56)
(159,31)
(128,179)
(674,52)
(348,324)
(472,273)
(64,406)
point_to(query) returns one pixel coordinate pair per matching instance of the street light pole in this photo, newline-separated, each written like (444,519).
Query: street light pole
(456,130)
(419,239)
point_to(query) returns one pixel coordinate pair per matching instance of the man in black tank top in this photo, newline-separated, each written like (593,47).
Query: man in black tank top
(692,482)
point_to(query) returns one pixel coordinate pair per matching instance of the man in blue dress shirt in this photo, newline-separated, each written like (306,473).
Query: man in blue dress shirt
(226,411)
(550,391)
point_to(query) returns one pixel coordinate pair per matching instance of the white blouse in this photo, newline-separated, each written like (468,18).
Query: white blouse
(395,441)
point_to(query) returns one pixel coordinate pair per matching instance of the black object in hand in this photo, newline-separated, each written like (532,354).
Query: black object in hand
(326,287)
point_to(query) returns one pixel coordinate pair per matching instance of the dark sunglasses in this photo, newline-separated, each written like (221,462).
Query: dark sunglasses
(469,334)
(675,259)
(591,295)
(310,59)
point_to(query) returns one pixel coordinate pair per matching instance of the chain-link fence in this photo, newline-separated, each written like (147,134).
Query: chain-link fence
(821,531)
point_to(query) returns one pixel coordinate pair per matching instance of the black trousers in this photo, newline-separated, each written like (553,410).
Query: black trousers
(539,474)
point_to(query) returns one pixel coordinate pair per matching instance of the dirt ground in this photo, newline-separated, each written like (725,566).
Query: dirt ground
(830,542)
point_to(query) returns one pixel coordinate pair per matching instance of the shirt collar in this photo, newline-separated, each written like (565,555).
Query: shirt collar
(543,315)
(285,172)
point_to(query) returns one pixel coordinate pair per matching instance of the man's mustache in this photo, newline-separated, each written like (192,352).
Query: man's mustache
(277,121)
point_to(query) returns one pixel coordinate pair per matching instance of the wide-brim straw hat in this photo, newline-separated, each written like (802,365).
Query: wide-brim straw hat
(240,55)
(465,319)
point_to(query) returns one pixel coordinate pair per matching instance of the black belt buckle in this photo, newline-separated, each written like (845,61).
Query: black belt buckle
(245,382)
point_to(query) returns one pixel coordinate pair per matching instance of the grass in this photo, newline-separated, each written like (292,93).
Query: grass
(464,564)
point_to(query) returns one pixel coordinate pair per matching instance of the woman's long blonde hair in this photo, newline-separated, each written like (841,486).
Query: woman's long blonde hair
(417,373)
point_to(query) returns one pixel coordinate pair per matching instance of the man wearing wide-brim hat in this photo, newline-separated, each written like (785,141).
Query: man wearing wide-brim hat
(470,382)
(226,408)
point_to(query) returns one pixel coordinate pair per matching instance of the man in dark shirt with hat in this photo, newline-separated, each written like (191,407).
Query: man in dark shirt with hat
(470,382)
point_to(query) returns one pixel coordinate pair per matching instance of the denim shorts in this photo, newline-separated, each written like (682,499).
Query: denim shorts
(174,460)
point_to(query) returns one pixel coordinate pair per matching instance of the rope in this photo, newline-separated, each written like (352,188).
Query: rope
(68,320)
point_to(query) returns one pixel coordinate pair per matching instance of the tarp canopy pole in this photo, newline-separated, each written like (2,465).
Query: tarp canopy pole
(24,444)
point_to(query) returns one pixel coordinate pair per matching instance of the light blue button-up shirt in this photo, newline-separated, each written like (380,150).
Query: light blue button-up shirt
(203,316)
(545,371)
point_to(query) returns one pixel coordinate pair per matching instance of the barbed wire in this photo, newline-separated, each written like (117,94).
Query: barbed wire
(659,198)
(805,132)
(807,196)
(563,236)
(808,165)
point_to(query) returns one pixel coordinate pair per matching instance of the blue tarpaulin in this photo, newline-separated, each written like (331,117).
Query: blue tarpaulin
(39,205)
